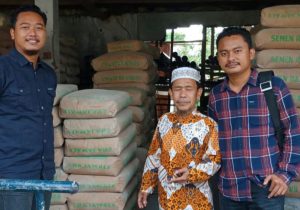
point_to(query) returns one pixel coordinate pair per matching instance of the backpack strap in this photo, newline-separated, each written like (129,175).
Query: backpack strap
(265,83)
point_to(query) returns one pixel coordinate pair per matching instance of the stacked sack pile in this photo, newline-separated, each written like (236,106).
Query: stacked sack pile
(278,49)
(69,60)
(129,66)
(58,200)
(100,149)
(278,45)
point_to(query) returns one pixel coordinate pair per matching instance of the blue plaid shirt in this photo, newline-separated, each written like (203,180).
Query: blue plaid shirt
(248,144)
(26,127)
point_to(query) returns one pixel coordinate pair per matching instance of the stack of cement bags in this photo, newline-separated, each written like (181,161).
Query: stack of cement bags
(278,45)
(292,200)
(100,149)
(6,43)
(69,61)
(58,200)
(129,66)
(278,48)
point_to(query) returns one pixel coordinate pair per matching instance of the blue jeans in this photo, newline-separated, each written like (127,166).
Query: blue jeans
(13,200)
(260,201)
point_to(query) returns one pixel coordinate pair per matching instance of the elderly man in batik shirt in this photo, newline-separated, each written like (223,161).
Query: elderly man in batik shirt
(184,152)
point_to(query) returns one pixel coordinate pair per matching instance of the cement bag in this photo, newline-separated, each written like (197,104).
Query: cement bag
(106,183)
(145,126)
(140,140)
(126,45)
(55,116)
(101,200)
(152,50)
(58,207)
(60,175)
(278,59)
(119,76)
(138,113)
(277,38)
(122,60)
(294,190)
(97,128)
(149,88)
(72,70)
(103,146)
(99,165)
(281,16)
(72,79)
(69,51)
(150,102)
(67,41)
(62,90)
(137,95)
(291,203)
(290,76)
(68,61)
(93,103)
(58,156)
(141,155)
(59,198)
(296,97)
(133,45)
(58,137)
(131,203)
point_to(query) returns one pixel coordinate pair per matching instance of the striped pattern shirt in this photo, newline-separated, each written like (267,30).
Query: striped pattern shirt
(247,141)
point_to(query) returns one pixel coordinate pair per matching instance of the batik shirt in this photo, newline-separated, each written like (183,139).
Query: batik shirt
(182,142)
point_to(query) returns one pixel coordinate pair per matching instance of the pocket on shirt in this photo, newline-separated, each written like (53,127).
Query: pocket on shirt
(258,111)
(24,99)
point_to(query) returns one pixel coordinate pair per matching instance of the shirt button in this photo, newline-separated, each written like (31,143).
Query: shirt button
(43,157)
(45,141)
(42,108)
(45,124)
(38,90)
(21,90)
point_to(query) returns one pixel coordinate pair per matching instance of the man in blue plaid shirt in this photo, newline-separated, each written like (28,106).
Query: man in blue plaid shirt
(254,173)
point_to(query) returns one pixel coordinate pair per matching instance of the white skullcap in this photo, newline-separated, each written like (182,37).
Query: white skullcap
(185,73)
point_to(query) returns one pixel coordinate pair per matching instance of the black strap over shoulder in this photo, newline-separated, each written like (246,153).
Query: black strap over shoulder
(265,83)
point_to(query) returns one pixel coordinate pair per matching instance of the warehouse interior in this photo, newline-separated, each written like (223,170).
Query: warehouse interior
(82,30)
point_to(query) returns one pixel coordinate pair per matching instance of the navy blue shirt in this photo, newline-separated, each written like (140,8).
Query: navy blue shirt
(26,131)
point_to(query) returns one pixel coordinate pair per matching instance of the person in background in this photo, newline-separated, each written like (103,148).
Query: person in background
(255,174)
(184,152)
(27,91)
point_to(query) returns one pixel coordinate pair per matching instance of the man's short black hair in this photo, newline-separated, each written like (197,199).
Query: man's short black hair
(236,31)
(26,8)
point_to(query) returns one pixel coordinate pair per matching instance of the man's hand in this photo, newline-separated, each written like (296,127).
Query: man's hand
(278,186)
(180,176)
(142,199)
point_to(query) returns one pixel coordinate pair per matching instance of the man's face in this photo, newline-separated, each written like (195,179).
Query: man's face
(29,34)
(185,93)
(234,55)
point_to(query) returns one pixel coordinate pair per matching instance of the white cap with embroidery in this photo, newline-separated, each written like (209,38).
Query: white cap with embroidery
(185,73)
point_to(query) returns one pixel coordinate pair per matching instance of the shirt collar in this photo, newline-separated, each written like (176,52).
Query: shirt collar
(251,81)
(21,60)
